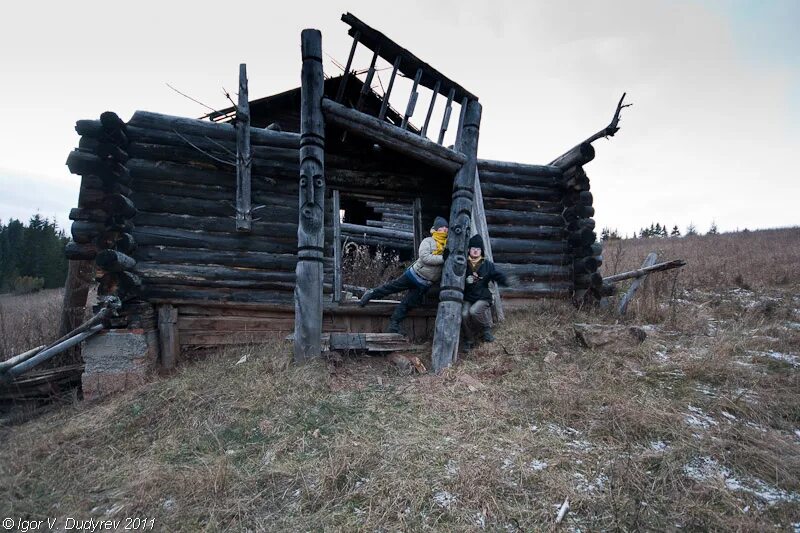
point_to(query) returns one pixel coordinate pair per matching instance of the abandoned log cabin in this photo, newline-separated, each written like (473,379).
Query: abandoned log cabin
(229,229)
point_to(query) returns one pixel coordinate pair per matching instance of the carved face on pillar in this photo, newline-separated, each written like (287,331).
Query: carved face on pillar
(312,194)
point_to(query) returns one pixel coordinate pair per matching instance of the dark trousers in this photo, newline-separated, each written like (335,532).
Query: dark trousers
(412,299)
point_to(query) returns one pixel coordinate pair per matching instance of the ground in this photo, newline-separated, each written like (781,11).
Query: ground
(696,428)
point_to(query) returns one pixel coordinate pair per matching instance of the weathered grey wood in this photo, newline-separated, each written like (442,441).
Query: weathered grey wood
(392,137)
(247,259)
(114,261)
(537,272)
(448,110)
(424,131)
(168,339)
(581,237)
(529,246)
(366,88)
(243,158)
(490,168)
(346,75)
(84,231)
(460,127)
(577,156)
(356,229)
(626,299)
(645,270)
(372,39)
(76,292)
(275,230)
(337,248)
(310,234)
(523,204)
(77,252)
(215,295)
(388,93)
(213,130)
(417,229)
(448,316)
(497,190)
(528,258)
(158,236)
(526,232)
(412,100)
(481,228)
(503,216)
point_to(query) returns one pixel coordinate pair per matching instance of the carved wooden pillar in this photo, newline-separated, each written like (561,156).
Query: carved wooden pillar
(448,316)
(310,230)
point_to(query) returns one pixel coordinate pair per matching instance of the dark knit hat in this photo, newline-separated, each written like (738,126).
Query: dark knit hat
(439,222)
(476,241)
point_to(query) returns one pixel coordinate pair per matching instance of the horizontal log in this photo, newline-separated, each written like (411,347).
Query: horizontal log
(502,216)
(577,212)
(182,274)
(114,187)
(553,289)
(581,237)
(577,156)
(183,238)
(119,205)
(502,178)
(91,215)
(84,232)
(508,167)
(538,272)
(192,326)
(576,179)
(641,272)
(392,137)
(75,251)
(572,198)
(526,232)
(114,261)
(167,203)
(169,254)
(523,204)
(406,227)
(581,223)
(500,245)
(531,259)
(394,244)
(209,192)
(232,338)
(84,163)
(96,130)
(355,229)
(594,250)
(165,293)
(214,130)
(122,241)
(494,190)
(103,148)
(276,231)
(586,265)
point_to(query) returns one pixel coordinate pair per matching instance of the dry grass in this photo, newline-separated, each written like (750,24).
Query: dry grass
(363,267)
(28,320)
(696,429)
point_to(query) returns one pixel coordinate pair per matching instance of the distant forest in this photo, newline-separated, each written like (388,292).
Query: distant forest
(32,255)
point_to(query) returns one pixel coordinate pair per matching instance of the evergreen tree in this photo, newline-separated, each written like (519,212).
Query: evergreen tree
(35,250)
(713,229)
(691,230)
(675,231)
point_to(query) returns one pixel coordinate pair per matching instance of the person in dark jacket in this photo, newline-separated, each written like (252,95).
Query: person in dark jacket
(417,278)
(477,295)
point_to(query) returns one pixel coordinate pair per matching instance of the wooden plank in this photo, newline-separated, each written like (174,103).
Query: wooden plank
(448,316)
(424,131)
(412,100)
(243,157)
(346,75)
(168,339)
(417,229)
(650,260)
(388,93)
(366,88)
(337,248)
(308,290)
(392,137)
(448,110)
(480,227)
(235,323)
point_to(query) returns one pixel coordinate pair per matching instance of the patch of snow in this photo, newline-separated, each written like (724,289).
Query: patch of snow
(796,527)
(791,358)
(705,468)
(451,468)
(659,446)
(444,499)
(537,465)
(359,512)
(793,325)
(508,464)
(583,445)
(759,427)
(361,482)
(707,390)
(699,418)
(797,433)
(727,415)
(479,520)
(595,485)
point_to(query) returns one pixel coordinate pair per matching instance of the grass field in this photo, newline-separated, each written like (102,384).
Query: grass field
(695,429)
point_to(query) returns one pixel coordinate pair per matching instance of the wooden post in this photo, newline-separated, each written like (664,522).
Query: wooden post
(346,75)
(243,159)
(367,87)
(626,299)
(310,229)
(448,109)
(412,100)
(337,248)
(448,316)
(460,127)
(424,131)
(385,103)
(481,228)
(80,274)
(417,225)
(168,335)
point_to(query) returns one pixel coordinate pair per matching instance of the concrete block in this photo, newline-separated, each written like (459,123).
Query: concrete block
(117,360)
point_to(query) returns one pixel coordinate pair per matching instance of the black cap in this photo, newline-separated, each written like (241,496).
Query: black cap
(439,222)
(476,241)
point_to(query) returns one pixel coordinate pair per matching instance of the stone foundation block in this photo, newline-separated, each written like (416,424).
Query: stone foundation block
(118,360)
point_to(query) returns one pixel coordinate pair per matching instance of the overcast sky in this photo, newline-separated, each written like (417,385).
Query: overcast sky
(713,134)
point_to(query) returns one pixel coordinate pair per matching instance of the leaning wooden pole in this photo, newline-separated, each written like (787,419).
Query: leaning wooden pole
(448,316)
(243,159)
(310,229)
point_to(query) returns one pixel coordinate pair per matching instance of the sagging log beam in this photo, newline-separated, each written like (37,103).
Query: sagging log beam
(577,156)
(645,270)
(357,229)
(392,137)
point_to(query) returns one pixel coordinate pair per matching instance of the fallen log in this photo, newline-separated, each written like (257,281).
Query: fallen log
(626,299)
(645,270)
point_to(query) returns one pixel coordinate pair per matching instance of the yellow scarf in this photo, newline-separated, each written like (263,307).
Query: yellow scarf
(441,239)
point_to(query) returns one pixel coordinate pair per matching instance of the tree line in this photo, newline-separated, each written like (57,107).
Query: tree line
(657,230)
(32,255)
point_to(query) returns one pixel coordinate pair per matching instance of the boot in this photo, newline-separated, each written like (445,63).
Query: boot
(394,327)
(487,335)
(467,345)
(366,298)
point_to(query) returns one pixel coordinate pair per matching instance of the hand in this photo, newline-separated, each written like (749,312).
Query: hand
(446,254)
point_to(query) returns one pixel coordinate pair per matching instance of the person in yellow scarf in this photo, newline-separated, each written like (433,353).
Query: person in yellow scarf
(417,278)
